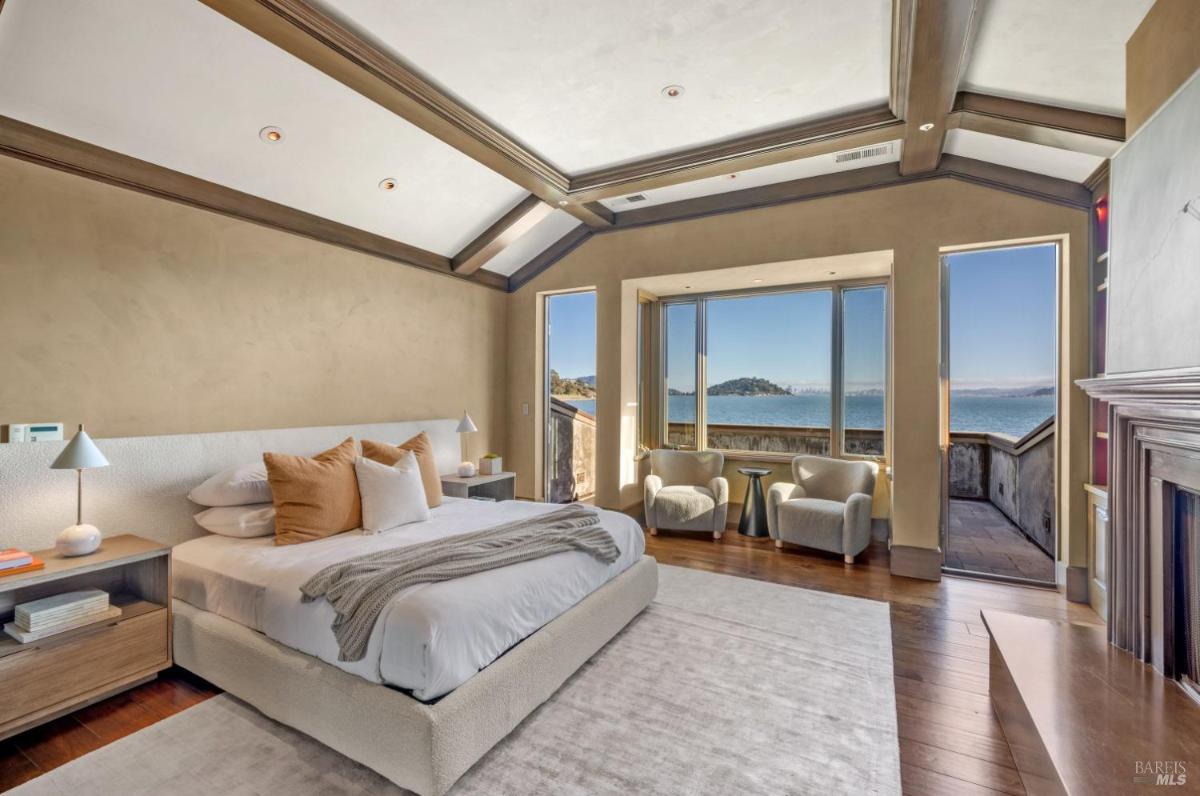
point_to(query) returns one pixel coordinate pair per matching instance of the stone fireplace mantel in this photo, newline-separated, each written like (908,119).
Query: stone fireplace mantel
(1154,455)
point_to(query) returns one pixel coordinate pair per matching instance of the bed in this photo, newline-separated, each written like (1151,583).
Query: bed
(431,638)
(423,712)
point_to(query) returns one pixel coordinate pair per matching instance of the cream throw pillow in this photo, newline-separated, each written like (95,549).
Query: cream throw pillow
(420,445)
(391,496)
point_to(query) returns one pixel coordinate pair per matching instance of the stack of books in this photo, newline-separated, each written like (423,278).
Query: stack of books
(14,562)
(51,615)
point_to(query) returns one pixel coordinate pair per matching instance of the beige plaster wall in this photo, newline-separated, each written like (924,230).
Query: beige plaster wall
(141,316)
(914,221)
(1161,54)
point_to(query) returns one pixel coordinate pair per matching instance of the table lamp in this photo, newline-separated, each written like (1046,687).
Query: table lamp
(465,427)
(79,455)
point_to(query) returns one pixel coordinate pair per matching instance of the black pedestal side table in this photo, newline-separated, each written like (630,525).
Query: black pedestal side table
(754,507)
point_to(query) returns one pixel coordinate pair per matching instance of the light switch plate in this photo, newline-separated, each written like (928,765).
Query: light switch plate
(525,408)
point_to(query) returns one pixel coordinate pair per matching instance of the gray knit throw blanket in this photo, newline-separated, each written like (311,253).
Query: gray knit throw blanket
(359,588)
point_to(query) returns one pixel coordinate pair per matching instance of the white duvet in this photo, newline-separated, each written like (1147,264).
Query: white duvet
(430,638)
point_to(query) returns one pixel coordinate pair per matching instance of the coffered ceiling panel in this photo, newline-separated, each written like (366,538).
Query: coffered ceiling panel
(582,83)
(1069,53)
(1051,161)
(176,84)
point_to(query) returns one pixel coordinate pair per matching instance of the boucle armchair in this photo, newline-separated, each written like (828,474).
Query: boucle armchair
(686,492)
(828,506)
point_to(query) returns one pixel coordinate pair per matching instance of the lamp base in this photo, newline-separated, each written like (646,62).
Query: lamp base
(466,470)
(78,540)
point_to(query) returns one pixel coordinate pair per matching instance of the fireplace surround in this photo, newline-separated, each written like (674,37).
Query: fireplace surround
(1154,511)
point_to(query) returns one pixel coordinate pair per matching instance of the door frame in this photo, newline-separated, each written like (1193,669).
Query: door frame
(546,414)
(944,404)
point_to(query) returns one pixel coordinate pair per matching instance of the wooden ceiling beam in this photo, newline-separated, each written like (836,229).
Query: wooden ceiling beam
(807,139)
(493,240)
(977,172)
(940,34)
(299,28)
(71,155)
(1062,128)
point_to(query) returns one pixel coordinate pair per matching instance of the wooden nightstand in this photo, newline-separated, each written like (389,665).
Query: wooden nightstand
(501,486)
(44,679)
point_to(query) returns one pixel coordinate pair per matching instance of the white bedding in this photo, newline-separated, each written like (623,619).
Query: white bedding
(431,638)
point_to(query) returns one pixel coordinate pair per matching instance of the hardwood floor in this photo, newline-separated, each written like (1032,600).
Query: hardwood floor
(950,741)
(36,751)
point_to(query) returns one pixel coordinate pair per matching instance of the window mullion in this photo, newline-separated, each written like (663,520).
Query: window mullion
(701,376)
(836,377)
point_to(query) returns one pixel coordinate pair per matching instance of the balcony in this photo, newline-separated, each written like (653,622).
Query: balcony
(572,446)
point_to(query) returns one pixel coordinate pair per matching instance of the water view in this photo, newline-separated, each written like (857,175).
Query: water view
(1014,415)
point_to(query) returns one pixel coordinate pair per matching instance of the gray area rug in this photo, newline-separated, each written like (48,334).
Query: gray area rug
(723,686)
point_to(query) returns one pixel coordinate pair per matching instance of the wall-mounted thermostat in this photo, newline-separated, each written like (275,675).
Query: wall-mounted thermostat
(35,432)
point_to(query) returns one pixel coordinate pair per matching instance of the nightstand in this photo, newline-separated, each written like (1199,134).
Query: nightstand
(44,679)
(501,486)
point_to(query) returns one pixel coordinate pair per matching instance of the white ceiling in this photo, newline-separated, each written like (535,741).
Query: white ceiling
(174,83)
(532,243)
(1069,53)
(864,265)
(752,178)
(580,83)
(1061,163)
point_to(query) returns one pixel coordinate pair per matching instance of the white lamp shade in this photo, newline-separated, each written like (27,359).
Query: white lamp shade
(80,454)
(466,425)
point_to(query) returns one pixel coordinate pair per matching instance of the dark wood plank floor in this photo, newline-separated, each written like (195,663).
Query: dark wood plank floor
(950,741)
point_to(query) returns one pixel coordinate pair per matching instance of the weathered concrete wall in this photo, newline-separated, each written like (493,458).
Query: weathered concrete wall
(1035,511)
(1022,487)
(777,439)
(574,450)
(1004,485)
(969,470)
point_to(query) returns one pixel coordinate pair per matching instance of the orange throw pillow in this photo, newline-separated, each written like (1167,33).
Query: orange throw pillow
(422,448)
(314,498)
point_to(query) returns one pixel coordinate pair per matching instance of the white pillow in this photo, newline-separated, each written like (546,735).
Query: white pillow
(237,486)
(391,496)
(242,522)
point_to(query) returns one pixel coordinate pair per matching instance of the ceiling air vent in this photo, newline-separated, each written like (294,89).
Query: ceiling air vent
(865,153)
(637,197)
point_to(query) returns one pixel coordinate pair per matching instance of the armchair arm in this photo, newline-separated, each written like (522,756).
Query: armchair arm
(653,483)
(720,489)
(856,524)
(779,493)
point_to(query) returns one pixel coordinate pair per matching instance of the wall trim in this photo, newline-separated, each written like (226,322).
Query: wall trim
(922,563)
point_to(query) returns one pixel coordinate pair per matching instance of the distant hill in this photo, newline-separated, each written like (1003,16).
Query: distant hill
(747,385)
(572,388)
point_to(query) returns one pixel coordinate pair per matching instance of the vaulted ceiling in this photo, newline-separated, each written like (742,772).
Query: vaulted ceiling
(485,140)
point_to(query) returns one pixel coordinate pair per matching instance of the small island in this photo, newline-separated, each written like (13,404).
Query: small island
(746,386)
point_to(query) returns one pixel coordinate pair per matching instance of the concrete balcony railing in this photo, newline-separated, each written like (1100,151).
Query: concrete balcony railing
(776,439)
(573,453)
(1015,475)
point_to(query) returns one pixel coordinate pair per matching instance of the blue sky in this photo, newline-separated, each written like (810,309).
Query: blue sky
(1002,317)
(572,319)
(1001,325)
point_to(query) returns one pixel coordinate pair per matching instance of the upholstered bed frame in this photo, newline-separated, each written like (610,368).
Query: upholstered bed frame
(425,748)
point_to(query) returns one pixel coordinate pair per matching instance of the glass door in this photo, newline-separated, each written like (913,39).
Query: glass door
(570,397)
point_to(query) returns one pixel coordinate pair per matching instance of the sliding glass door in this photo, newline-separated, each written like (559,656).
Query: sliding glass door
(570,396)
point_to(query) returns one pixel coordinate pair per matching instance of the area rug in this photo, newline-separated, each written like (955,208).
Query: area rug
(724,685)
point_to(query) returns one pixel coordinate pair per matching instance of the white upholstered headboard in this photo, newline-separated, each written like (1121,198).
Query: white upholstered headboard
(144,491)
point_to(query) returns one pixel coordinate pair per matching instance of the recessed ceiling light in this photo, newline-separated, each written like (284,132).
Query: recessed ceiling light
(388,184)
(687,287)
(272,135)
(563,202)
(731,176)
(758,281)
(672,92)
(925,128)
(831,273)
